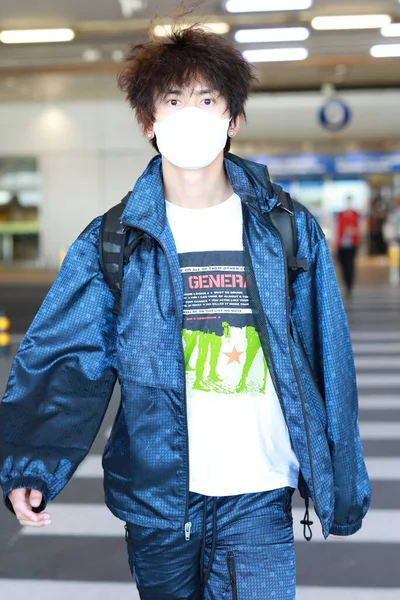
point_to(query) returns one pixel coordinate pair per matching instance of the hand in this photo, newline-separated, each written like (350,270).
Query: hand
(23,500)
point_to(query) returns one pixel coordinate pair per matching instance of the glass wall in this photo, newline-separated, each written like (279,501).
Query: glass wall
(20,202)
(324,182)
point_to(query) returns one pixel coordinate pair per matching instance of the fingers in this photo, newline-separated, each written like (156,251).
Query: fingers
(37,520)
(28,518)
(26,523)
(22,500)
(35,498)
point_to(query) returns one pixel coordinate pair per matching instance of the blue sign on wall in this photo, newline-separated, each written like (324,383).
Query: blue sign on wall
(357,163)
(335,115)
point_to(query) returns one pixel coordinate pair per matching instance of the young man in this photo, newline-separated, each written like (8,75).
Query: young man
(232,395)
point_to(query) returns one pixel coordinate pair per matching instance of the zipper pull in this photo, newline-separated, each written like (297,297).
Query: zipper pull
(282,207)
(124,226)
(188,527)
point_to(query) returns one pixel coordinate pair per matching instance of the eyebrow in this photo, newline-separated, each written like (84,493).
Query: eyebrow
(206,91)
(199,92)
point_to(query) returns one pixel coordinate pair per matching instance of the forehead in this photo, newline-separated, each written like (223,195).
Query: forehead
(188,85)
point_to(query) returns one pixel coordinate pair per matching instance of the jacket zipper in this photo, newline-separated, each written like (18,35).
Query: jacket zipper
(276,231)
(188,523)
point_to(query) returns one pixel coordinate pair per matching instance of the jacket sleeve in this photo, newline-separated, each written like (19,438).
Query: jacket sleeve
(337,380)
(61,378)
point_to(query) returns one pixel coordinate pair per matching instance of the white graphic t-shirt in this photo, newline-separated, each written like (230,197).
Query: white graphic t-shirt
(238,438)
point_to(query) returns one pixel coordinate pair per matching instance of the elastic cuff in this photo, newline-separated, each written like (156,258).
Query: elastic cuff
(348,529)
(32,483)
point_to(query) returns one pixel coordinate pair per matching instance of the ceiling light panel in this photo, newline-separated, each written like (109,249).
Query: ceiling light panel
(350,22)
(275,54)
(391,30)
(36,36)
(385,50)
(243,6)
(220,28)
(276,34)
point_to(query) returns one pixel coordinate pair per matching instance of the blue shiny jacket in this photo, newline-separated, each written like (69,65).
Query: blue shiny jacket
(64,372)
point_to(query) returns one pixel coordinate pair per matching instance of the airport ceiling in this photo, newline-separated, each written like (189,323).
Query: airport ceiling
(87,65)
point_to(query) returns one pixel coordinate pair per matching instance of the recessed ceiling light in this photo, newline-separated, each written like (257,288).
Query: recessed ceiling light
(36,36)
(276,34)
(350,22)
(91,55)
(129,7)
(220,28)
(117,55)
(275,54)
(385,50)
(391,30)
(242,6)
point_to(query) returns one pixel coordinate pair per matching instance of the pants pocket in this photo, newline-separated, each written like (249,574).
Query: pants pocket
(232,576)
(131,558)
(287,503)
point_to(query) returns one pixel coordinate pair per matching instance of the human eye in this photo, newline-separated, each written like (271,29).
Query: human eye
(208,101)
(173,102)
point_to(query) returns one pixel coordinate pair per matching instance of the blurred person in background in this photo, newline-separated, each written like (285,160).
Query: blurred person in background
(394,221)
(377,219)
(392,232)
(347,242)
(210,440)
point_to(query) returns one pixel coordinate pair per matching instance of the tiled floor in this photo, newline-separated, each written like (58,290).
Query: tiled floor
(83,555)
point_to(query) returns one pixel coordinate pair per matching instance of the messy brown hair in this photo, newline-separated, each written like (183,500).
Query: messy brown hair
(187,54)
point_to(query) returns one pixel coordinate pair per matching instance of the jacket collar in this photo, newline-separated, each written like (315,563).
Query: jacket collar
(145,207)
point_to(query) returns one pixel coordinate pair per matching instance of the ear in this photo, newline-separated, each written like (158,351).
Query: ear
(234,125)
(149,132)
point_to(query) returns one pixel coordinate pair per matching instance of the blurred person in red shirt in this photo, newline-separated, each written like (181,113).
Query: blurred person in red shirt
(348,239)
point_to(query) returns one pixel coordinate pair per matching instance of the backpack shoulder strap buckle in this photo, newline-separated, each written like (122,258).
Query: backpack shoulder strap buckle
(298,264)
(282,216)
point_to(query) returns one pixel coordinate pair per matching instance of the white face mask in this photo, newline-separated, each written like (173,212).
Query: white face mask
(191,138)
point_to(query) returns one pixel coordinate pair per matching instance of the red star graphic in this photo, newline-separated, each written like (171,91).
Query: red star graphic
(233,356)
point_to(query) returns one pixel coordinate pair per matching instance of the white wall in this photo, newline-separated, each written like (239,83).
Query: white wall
(91,153)
(375,116)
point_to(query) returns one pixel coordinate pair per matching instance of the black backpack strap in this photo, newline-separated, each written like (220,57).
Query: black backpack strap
(112,241)
(117,241)
(282,216)
(114,252)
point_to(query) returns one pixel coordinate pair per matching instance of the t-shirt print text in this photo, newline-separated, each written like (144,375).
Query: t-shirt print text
(221,345)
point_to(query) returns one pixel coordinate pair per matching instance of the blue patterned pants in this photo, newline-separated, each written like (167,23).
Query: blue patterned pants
(240,548)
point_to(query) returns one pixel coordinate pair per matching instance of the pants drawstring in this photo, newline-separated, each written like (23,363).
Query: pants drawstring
(204,579)
(306,522)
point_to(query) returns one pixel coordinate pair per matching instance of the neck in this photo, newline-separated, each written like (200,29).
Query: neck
(200,188)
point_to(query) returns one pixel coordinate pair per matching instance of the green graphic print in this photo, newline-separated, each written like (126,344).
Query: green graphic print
(222,349)
(223,363)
